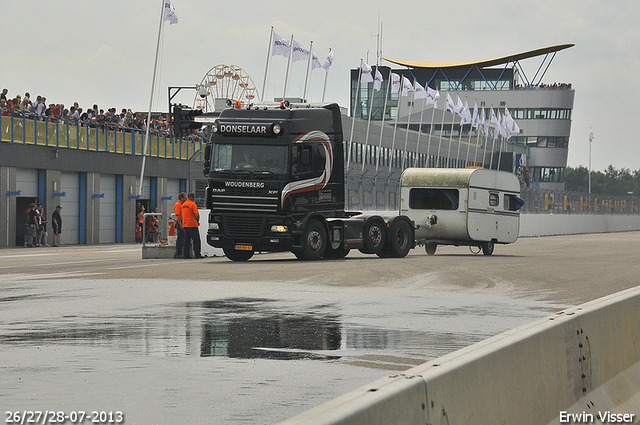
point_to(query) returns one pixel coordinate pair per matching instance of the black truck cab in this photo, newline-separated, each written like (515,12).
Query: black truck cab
(276,183)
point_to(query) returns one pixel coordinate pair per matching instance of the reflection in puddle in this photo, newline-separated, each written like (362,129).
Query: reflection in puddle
(234,328)
(245,329)
(256,328)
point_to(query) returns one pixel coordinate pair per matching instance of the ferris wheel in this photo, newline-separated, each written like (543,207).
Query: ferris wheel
(222,83)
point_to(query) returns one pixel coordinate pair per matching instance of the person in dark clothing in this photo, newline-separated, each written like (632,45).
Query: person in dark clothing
(56,222)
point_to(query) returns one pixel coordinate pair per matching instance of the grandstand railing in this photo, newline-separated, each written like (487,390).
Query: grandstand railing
(64,133)
(544,201)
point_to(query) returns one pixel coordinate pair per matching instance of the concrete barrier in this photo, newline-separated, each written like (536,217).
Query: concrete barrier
(583,361)
(561,224)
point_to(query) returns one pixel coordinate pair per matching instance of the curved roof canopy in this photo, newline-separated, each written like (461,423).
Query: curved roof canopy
(483,63)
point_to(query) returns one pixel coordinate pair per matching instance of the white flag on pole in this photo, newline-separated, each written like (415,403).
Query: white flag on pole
(459,107)
(475,120)
(420,92)
(493,120)
(512,126)
(366,76)
(432,96)
(451,107)
(395,83)
(280,47)
(500,123)
(328,62)
(465,114)
(406,86)
(299,52)
(315,62)
(483,121)
(170,13)
(377,80)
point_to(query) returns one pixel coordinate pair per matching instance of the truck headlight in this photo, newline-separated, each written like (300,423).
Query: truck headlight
(278,228)
(214,226)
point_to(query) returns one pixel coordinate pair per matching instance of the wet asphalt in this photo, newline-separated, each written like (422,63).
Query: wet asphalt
(99,329)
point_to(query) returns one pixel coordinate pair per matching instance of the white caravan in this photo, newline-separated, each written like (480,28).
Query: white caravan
(461,206)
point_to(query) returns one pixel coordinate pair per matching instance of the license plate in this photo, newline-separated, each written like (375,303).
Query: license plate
(244,248)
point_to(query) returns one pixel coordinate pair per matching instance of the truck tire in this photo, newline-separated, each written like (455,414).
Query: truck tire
(235,255)
(314,241)
(373,236)
(487,248)
(399,238)
(430,248)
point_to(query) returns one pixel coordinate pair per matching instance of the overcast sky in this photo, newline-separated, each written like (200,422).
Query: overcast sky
(103,51)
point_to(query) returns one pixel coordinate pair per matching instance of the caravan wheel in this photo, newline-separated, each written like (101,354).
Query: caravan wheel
(487,248)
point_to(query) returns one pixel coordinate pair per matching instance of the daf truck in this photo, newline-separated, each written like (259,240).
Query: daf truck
(276,182)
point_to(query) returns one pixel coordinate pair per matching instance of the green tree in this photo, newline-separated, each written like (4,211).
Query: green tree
(610,182)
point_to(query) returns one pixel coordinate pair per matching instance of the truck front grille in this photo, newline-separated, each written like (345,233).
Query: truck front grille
(243,226)
(228,202)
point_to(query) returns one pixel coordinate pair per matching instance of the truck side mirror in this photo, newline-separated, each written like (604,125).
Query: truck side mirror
(207,160)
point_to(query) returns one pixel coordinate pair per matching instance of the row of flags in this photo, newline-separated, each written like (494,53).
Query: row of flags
(296,51)
(505,125)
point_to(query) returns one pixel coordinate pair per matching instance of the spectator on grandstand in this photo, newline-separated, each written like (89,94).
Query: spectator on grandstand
(40,105)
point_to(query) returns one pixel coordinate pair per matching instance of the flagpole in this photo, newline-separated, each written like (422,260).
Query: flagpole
(326,75)
(353,115)
(433,114)
(384,111)
(286,76)
(153,83)
(266,68)
(444,112)
(420,126)
(460,139)
(475,156)
(370,107)
(493,148)
(395,125)
(590,140)
(306,78)
(453,121)
(406,133)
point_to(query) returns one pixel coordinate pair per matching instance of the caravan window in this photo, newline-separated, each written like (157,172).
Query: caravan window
(494,200)
(433,199)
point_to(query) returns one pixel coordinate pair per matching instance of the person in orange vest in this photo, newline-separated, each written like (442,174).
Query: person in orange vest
(177,210)
(190,221)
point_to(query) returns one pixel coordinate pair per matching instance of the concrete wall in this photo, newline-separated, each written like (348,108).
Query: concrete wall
(584,360)
(555,224)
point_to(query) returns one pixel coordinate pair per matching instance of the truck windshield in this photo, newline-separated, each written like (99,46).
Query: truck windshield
(254,158)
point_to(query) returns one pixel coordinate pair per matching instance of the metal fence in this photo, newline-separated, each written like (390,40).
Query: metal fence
(544,201)
(63,133)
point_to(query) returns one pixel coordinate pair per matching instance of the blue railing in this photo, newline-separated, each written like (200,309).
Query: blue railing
(62,133)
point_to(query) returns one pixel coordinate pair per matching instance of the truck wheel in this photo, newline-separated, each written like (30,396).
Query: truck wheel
(487,248)
(314,241)
(235,255)
(430,248)
(373,235)
(399,238)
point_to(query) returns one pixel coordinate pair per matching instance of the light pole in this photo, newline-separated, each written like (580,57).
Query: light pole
(590,140)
